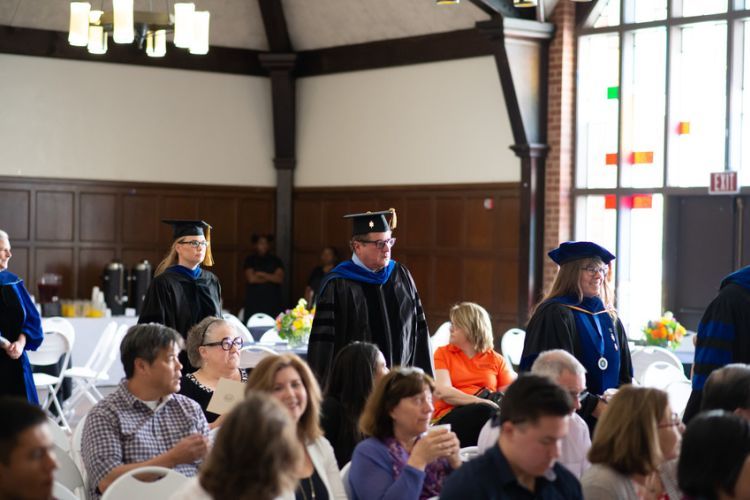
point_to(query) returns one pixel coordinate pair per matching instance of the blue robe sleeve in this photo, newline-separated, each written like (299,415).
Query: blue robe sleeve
(32,325)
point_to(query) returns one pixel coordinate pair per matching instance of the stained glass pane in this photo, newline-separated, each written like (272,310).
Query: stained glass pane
(610,14)
(644,108)
(598,98)
(698,91)
(596,220)
(649,10)
(703,7)
(744,140)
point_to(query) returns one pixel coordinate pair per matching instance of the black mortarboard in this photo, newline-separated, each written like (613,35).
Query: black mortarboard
(372,222)
(575,250)
(181,228)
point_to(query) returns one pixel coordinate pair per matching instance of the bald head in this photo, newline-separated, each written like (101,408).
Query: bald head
(564,369)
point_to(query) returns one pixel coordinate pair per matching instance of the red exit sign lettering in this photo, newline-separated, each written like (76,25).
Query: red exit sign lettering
(724,183)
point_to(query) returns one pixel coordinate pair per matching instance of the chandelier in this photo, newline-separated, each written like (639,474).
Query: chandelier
(91,28)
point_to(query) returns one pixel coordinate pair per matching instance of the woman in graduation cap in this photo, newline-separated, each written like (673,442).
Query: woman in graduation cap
(182,293)
(20,328)
(578,315)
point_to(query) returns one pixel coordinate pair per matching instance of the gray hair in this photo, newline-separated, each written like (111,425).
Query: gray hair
(196,336)
(556,361)
(4,236)
(145,342)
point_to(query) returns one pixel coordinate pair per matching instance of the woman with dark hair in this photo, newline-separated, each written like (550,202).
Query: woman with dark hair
(329,257)
(402,459)
(264,273)
(578,316)
(356,368)
(254,457)
(715,457)
(288,379)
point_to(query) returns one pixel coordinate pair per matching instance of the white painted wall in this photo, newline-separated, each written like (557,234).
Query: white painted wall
(437,123)
(83,120)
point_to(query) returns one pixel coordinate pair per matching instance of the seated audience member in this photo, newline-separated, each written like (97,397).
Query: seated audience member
(255,455)
(728,388)
(356,368)
(634,437)
(144,422)
(568,373)
(398,460)
(288,379)
(715,457)
(27,457)
(464,369)
(534,419)
(213,346)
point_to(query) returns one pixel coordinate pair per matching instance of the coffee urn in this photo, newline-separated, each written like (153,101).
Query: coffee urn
(115,293)
(140,279)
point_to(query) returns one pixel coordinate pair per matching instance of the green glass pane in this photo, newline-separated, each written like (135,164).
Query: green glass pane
(613,92)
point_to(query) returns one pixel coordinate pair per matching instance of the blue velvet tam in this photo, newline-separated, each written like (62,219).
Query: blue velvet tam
(576,250)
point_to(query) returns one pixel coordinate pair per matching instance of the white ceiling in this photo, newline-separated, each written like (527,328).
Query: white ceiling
(312,23)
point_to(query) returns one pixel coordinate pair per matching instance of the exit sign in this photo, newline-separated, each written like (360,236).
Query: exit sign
(724,183)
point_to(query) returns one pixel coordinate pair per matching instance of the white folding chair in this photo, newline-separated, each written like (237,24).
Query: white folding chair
(67,473)
(643,357)
(84,377)
(345,479)
(271,337)
(512,345)
(60,492)
(660,374)
(468,453)
(260,319)
(129,486)
(241,328)
(441,337)
(679,392)
(252,354)
(76,446)
(59,436)
(59,337)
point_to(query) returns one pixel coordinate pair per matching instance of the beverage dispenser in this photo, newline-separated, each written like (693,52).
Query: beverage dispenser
(113,284)
(140,279)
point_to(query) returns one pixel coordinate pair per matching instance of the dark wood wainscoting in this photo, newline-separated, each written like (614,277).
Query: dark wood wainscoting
(75,228)
(460,242)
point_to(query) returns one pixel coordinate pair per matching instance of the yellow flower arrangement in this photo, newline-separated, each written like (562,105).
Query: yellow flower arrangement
(295,324)
(665,331)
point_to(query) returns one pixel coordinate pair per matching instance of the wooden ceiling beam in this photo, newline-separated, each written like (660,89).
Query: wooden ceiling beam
(274,22)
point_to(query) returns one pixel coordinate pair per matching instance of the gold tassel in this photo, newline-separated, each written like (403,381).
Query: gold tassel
(209,260)
(394,220)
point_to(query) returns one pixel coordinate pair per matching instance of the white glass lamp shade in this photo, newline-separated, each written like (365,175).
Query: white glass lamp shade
(156,44)
(524,3)
(183,24)
(78,34)
(97,40)
(201,21)
(123,31)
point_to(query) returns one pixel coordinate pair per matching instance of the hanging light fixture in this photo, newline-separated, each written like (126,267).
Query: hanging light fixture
(524,3)
(91,28)
(447,2)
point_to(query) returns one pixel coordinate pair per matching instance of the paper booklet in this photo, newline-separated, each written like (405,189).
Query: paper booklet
(227,394)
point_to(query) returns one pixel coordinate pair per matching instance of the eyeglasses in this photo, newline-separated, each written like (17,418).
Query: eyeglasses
(380,244)
(592,270)
(226,343)
(580,396)
(194,243)
(673,421)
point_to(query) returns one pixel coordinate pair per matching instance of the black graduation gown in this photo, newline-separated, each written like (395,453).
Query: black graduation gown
(553,326)
(179,301)
(389,315)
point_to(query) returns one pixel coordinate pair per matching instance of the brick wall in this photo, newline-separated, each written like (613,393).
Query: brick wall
(560,134)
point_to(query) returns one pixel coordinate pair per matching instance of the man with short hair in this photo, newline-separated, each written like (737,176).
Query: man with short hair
(728,388)
(144,422)
(534,417)
(567,372)
(27,457)
(370,298)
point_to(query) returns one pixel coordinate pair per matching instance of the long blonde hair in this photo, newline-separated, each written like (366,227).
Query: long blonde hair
(568,283)
(169,260)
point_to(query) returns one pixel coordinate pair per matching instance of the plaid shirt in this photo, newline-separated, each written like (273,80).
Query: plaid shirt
(121,429)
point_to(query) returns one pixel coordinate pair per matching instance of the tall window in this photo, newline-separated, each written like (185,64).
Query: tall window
(663,98)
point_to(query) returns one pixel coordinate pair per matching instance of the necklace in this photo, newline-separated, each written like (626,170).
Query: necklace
(312,489)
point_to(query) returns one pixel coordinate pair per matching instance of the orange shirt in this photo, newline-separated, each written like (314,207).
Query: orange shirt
(468,375)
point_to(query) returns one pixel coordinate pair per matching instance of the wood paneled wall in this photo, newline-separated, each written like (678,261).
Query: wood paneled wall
(75,228)
(459,242)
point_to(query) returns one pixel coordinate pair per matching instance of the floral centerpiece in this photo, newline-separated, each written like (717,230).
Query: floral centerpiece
(294,325)
(664,332)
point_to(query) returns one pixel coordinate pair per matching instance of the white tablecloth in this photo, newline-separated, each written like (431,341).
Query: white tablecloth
(88,332)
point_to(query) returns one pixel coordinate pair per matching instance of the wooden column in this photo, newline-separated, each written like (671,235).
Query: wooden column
(283,88)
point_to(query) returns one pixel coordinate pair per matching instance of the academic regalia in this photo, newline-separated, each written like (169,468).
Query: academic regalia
(18,315)
(723,334)
(388,315)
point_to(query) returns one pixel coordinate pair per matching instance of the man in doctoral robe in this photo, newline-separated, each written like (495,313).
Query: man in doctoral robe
(370,298)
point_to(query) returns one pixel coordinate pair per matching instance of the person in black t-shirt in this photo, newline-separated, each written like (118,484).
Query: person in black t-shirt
(264,274)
